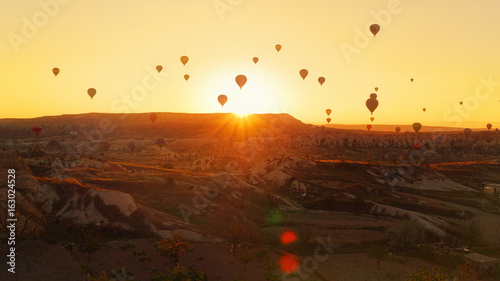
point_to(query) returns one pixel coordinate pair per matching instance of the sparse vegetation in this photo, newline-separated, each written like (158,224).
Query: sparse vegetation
(173,247)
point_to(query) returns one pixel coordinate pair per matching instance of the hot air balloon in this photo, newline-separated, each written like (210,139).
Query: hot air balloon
(328,111)
(424,109)
(186,76)
(417,127)
(328,120)
(398,129)
(184,60)
(278,47)
(153,117)
(411,80)
(91,92)
(130,145)
(222,99)
(467,131)
(376,89)
(55,70)
(303,73)
(374,28)
(321,80)
(461,102)
(255,60)
(372,118)
(489,126)
(372,103)
(417,146)
(160,142)
(36,129)
(368,127)
(241,80)
(373,96)
(73,134)
(159,68)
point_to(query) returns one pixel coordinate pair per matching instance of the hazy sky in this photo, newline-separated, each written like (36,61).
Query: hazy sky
(451,48)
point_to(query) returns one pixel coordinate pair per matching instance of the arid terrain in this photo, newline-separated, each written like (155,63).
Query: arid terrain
(233,185)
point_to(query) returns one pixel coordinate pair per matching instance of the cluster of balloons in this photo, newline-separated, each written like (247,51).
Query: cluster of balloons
(328,112)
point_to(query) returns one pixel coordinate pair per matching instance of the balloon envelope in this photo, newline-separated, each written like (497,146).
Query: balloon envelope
(461,103)
(398,129)
(488,126)
(241,80)
(411,79)
(36,129)
(417,146)
(368,127)
(186,76)
(184,60)
(374,28)
(417,127)
(373,96)
(73,134)
(321,80)
(159,68)
(153,117)
(55,70)
(303,73)
(91,92)
(222,100)
(328,120)
(278,47)
(372,104)
(160,142)
(255,59)
(376,89)
(424,109)
(467,131)
(328,111)
(372,118)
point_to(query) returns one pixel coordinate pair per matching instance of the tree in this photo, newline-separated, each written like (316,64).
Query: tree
(173,247)
(405,236)
(180,273)
(246,255)
(379,252)
(473,234)
(424,275)
(89,241)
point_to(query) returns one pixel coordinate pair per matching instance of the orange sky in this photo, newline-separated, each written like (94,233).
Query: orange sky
(449,47)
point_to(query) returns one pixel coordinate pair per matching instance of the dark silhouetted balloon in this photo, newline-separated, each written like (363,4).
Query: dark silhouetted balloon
(372,118)
(489,126)
(153,116)
(160,142)
(328,120)
(184,60)
(424,109)
(461,103)
(373,96)
(222,99)
(417,146)
(241,80)
(369,127)
(398,129)
(321,80)
(159,68)
(186,76)
(91,92)
(417,127)
(328,111)
(374,28)
(36,129)
(372,104)
(55,70)
(255,59)
(376,89)
(411,80)
(467,131)
(278,47)
(303,73)
(73,134)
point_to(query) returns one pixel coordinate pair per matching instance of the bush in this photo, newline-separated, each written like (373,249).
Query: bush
(173,247)
(180,273)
